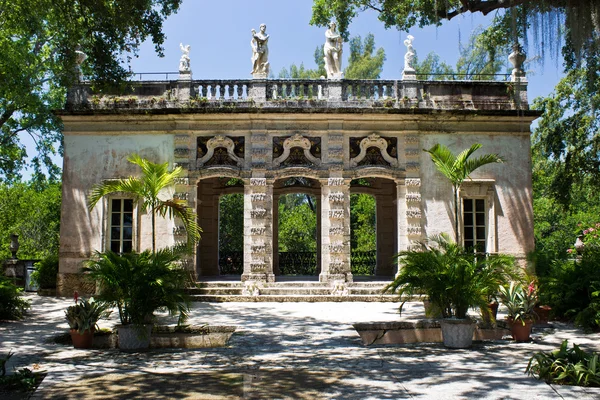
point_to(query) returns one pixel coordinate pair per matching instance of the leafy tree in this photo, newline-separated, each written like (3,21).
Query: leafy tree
(364,62)
(362,222)
(38,42)
(458,168)
(31,211)
(146,189)
(231,223)
(297,223)
(541,17)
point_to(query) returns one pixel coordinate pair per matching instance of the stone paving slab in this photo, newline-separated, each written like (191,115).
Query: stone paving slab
(286,350)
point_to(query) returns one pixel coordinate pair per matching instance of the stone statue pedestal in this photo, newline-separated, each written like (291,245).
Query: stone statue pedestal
(409,75)
(336,77)
(185,76)
(259,75)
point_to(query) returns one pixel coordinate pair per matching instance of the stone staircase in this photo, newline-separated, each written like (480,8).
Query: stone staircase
(290,291)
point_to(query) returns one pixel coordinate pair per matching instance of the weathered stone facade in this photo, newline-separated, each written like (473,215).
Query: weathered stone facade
(331,133)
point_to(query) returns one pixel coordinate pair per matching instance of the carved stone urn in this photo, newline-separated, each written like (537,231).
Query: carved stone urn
(517,58)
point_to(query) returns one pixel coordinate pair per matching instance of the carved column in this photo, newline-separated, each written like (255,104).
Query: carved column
(258,231)
(335,230)
(410,223)
(275,235)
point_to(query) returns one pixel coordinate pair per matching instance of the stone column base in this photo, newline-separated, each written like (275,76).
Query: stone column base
(325,277)
(67,284)
(258,277)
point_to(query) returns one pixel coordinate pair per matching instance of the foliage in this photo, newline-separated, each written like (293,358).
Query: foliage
(12,304)
(566,366)
(572,289)
(519,301)
(32,211)
(362,63)
(23,379)
(477,61)
(458,168)
(567,134)
(38,39)
(540,18)
(46,271)
(146,189)
(84,316)
(362,223)
(453,278)
(231,223)
(140,284)
(297,223)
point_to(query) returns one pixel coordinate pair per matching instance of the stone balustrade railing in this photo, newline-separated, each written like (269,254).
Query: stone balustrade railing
(402,94)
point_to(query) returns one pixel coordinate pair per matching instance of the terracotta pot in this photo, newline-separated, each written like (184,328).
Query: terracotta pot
(83,340)
(520,332)
(543,313)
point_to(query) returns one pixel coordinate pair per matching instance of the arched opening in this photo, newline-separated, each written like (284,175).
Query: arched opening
(374,227)
(297,237)
(220,208)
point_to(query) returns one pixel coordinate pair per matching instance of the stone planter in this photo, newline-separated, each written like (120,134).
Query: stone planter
(424,331)
(457,333)
(132,338)
(191,337)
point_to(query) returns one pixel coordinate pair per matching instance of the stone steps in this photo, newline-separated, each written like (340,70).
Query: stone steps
(289,291)
(293,298)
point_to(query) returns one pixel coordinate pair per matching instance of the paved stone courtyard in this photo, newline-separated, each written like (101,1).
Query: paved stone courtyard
(285,350)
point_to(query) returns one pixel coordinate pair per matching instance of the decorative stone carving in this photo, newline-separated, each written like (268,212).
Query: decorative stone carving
(260,53)
(258,197)
(412,152)
(336,248)
(300,141)
(258,213)
(411,139)
(184,61)
(80,57)
(333,52)
(413,213)
(373,140)
(258,231)
(181,196)
(413,230)
(258,267)
(336,230)
(261,248)
(336,197)
(182,181)
(336,267)
(413,197)
(339,288)
(336,214)
(517,58)
(251,288)
(181,152)
(182,139)
(335,181)
(258,182)
(412,182)
(217,142)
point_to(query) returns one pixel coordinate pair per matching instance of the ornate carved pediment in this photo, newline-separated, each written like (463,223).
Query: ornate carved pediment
(220,150)
(297,151)
(374,151)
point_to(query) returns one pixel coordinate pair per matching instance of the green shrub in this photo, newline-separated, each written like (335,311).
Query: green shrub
(566,366)
(46,271)
(572,289)
(12,305)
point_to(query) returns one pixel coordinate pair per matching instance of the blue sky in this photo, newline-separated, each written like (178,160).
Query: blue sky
(219,35)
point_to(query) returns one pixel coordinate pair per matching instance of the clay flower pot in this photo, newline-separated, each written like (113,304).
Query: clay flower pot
(83,340)
(520,331)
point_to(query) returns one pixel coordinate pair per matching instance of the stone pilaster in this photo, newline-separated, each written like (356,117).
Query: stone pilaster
(335,230)
(258,231)
(410,225)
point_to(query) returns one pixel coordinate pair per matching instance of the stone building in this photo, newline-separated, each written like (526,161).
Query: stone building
(340,136)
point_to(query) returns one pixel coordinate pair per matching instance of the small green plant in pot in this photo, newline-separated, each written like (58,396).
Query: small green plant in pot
(83,318)
(454,280)
(139,285)
(519,302)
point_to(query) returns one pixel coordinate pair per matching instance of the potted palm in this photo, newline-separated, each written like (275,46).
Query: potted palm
(138,285)
(454,280)
(519,302)
(82,319)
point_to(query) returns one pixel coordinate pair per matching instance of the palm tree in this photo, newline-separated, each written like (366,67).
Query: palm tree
(458,168)
(146,189)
